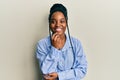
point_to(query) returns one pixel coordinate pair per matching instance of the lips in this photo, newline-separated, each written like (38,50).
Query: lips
(58,29)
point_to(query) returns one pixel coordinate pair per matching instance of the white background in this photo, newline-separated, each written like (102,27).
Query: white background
(95,22)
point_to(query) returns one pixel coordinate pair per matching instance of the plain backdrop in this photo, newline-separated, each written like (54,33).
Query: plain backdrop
(96,23)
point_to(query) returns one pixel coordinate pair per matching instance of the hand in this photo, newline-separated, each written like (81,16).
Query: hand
(51,76)
(56,41)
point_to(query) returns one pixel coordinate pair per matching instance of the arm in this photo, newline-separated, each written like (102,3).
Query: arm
(47,58)
(80,65)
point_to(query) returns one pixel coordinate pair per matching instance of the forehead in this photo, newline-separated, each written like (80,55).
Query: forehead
(57,15)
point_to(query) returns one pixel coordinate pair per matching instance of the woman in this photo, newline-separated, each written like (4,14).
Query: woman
(60,56)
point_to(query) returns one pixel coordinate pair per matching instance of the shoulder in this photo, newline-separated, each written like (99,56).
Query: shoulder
(44,41)
(77,46)
(75,40)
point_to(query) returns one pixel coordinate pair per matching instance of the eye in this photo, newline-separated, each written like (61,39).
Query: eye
(62,21)
(52,21)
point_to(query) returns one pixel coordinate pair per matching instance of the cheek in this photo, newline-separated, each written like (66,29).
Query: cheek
(52,26)
(65,26)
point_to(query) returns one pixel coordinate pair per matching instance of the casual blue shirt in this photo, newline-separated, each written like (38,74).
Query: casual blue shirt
(70,65)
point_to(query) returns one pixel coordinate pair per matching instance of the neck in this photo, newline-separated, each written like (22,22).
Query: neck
(63,37)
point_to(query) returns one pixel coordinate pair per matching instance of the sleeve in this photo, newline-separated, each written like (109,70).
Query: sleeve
(79,69)
(47,59)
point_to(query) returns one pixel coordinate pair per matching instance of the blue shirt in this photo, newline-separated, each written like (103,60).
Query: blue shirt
(70,65)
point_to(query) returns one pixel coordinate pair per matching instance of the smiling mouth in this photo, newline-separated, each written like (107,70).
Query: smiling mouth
(58,29)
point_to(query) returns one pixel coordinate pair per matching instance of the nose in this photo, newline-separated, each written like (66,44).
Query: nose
(57,23)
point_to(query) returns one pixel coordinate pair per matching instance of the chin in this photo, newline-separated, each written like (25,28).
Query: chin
(60,33)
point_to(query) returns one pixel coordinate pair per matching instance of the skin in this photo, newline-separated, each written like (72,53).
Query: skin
(58,26)
(51,76)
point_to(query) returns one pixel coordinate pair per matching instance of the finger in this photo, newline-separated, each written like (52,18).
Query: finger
(54,74)
(46,77)
(49,78)
(53,36)
(56,38)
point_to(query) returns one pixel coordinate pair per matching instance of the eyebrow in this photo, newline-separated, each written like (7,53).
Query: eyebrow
(60,19)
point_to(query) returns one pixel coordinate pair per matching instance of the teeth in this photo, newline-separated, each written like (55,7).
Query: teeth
(58,29)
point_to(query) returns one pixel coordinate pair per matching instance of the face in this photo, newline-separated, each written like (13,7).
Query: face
(58,23)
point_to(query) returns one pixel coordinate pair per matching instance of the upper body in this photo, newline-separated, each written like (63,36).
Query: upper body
(60,56)
(68,65)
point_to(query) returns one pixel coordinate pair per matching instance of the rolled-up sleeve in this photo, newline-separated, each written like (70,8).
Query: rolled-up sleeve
(47,58)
